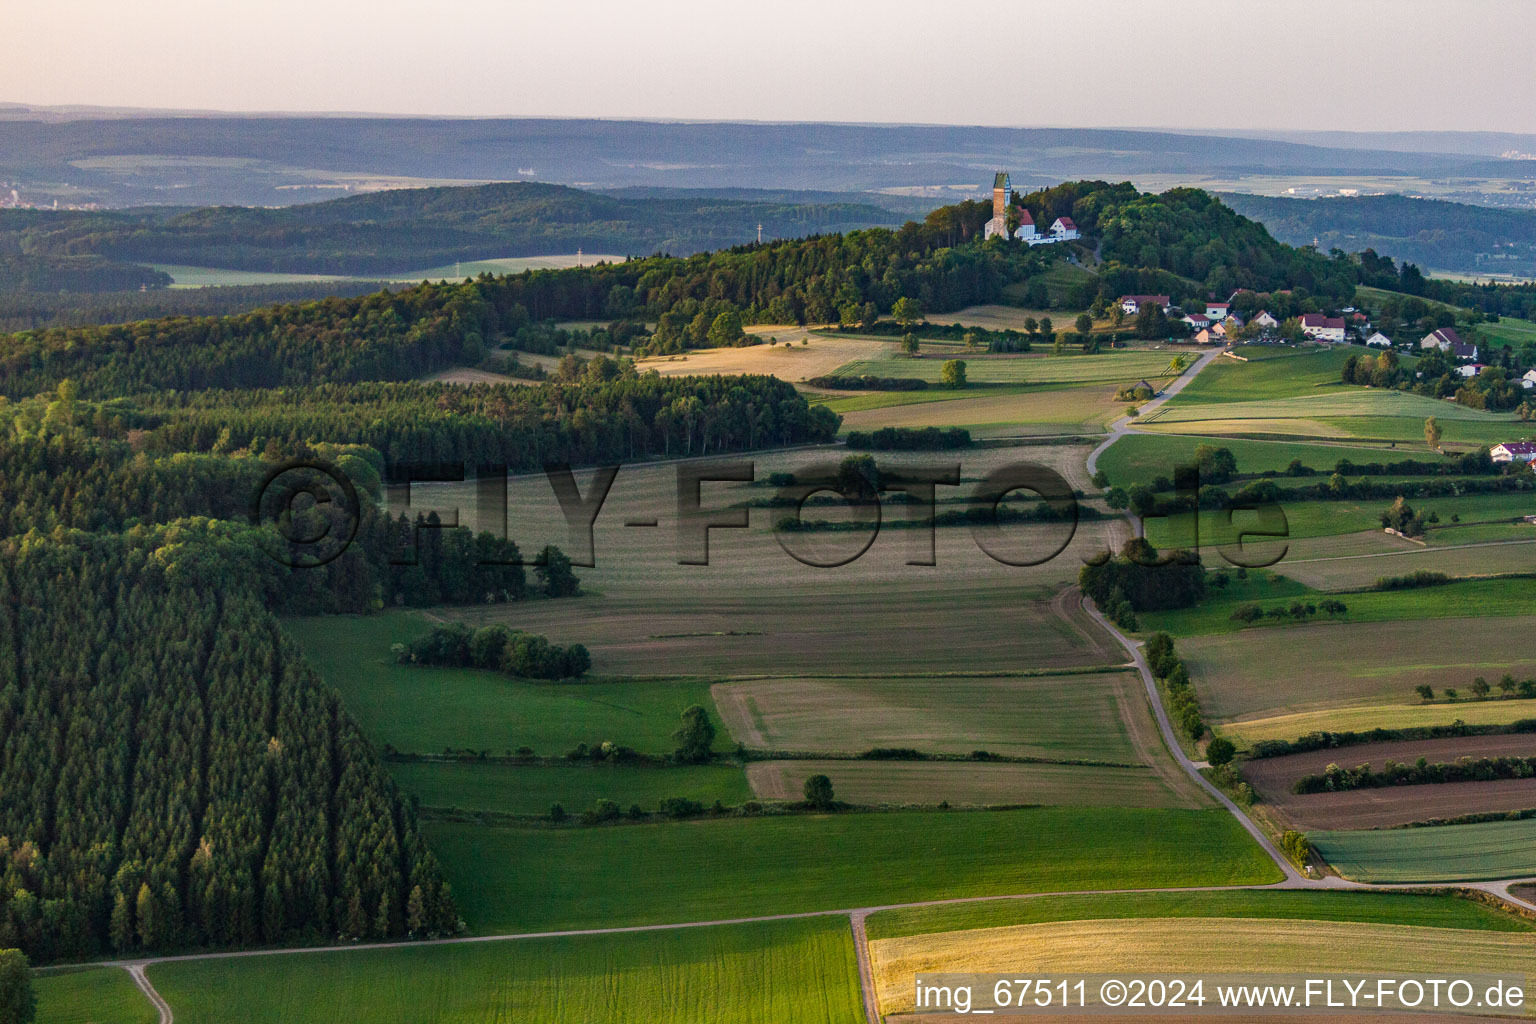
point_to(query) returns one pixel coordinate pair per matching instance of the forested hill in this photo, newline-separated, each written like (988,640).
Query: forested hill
(1429,232)
(405,229)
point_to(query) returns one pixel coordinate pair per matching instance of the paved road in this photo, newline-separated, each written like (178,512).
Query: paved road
(1124,424)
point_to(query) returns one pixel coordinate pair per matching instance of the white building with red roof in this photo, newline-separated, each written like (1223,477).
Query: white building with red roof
(1063,230)
(1132,303)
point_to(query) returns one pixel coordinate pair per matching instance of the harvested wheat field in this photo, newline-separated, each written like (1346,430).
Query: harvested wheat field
(1181,946)
(788,360)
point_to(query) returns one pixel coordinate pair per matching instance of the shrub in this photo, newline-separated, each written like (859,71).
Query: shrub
(818,791)
(1220,751)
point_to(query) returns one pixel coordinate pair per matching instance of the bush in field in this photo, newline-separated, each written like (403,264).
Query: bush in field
(695,737)
(818,791)
(1220,751)
(455,645)
(1296,846)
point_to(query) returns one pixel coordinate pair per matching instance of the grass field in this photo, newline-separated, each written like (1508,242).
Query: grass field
(1269,373)
(1185,945)
(532,789)
(1444,853)
(978,784)
(1033,368)
(1266,672)
(1372,716)
(1140,458)
(1346,566)
(529,879)
(91,995)
(1356,406)
(206,277)
(1490,598)
(1314,905)
(1078,716)
(737,974)
(425,710)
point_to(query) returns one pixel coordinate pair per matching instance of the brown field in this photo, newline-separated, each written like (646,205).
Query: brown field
(755,609)
(1055,411)
(1266,673)
(788,360)
(1351,568)
(1376,808)
(1181,946)
(970,783)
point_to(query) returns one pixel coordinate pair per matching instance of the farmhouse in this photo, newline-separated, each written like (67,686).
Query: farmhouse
(1132,303)
(1322,328)
(1514,451)
(1379,340)
(1448,341)
(1063,230)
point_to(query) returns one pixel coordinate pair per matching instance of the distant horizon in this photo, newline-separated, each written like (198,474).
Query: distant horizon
(1289,65)
(120,112)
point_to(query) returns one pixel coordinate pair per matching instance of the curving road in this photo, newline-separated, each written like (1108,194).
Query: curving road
(1122,426)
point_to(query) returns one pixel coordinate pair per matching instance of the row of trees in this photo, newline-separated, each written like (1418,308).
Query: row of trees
(1334,779)
(455,645)
(1184,706)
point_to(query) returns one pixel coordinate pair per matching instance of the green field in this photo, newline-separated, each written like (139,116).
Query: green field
(530,879)
(1369,907)
(1483,598)
(1443,853)
(531,789)
(1269,373)
(425,710)
(1140,458)
(91,995)
(761,973)
(1107,367)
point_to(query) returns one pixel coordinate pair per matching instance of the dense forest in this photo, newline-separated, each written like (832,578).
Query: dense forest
(1428,232)
(195,786)
(403,230)
(29,310)
(28,274)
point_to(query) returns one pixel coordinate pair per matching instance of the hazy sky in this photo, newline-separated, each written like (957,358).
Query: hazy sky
(1271,64)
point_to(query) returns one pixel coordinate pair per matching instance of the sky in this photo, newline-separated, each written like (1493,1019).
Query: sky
(1381,65)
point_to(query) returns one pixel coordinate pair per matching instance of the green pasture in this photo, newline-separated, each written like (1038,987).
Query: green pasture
(91,995)
(510,879)
(759,973)
(1120,367)
(532,789)
(1442,853)
(427,710)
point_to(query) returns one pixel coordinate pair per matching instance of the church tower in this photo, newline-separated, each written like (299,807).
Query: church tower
(1002,191)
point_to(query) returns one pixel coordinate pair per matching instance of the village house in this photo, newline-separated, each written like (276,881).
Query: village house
(1218,310)
(1263,319)
(1207,337)
(1379,340)
(1513,451)
(1470,369)
(1322,328)
(1197,321)
(1529,380)
(1448,341)
(1132,303)
(1063,230)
